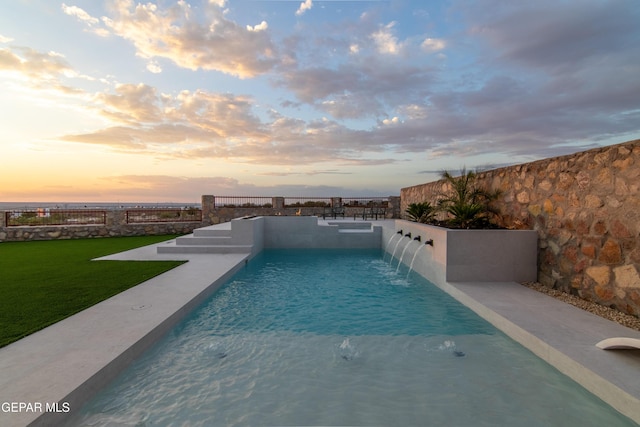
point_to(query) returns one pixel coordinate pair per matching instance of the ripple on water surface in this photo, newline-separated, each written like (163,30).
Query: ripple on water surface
(339,338)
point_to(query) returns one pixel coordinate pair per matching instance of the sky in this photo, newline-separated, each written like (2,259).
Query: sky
(164,101)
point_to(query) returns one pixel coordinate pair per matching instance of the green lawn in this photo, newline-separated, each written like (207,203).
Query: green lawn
(44,282)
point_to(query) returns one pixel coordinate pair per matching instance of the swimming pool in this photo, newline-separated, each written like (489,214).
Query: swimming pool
(339,337)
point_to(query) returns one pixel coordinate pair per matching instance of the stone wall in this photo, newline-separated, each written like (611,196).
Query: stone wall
(116,226)
(586,209)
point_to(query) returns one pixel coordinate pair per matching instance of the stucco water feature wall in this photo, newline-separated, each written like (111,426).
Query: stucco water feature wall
(586,210)
(443,255)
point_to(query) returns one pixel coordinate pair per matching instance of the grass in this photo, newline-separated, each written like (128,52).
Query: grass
(43,282)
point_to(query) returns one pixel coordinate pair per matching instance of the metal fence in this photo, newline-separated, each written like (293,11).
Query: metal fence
(134,216)
(40,217)
(311,202)
(273,206)
(243,202)
(294,202)
(365,201)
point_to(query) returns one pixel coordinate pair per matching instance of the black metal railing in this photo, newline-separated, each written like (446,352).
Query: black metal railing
(40,217)
(134,216)
(243,202)
(365,201)
(306,202)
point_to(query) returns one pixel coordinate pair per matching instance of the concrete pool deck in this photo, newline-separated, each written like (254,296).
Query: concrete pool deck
(72,359)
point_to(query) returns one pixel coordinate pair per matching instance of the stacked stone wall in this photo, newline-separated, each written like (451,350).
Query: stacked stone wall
(26,233)
(586,209)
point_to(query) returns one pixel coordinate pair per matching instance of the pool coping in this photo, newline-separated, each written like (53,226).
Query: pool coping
(71,360)
(563,335)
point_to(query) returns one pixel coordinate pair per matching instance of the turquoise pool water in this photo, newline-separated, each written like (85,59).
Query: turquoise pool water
(339,337)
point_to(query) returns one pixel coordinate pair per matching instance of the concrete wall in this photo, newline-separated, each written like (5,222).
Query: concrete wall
(464,255)
(254,234)
(586,210)
(304,232)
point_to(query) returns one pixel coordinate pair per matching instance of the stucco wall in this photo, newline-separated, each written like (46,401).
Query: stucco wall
(586,209)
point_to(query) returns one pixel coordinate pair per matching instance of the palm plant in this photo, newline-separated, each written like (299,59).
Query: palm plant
(467,204)
(421,212)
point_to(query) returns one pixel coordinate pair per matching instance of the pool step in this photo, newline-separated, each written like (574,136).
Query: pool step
(203,241)
(211,232)
(353,227)
(215,239)
(204,249)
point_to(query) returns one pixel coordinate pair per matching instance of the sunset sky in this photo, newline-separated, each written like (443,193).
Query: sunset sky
(163,101)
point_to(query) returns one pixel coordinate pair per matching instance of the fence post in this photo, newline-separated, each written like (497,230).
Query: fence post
(278,205)
(208,209)
(394,205)
(116,217)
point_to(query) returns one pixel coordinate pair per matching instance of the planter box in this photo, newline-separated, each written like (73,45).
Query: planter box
(465,255)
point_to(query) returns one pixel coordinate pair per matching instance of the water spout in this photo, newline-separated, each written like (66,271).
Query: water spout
(429,242)
(413,260)
(418,238)
(386,248)
(403,252)
(393,254)
(408,235)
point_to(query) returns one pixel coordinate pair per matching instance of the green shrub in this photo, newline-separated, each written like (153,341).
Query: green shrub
(421,212)
(466,202)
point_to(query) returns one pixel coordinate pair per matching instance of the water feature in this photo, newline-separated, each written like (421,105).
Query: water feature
(415,254)
(403,252)
(326,337)
(393,254)
(386,246)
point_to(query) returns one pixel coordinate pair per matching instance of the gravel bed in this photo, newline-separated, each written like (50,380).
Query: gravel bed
(592,307)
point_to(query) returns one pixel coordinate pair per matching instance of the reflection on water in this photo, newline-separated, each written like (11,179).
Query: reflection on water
(339,338)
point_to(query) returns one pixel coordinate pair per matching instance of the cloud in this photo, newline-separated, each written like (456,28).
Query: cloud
(304,6)
(308,173)
(366,87)
(433,45)
(531,84)
(155,188)
(80,14)
(386,41)
(193,40)
(34,64)
(193,125)
(260,27)
(573,36)
(390,122)
(134,104)
(154,67)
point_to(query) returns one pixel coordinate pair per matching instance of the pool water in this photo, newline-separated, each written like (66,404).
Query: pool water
(339,337)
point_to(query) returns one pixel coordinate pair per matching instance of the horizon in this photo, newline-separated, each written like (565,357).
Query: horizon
(123,102)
